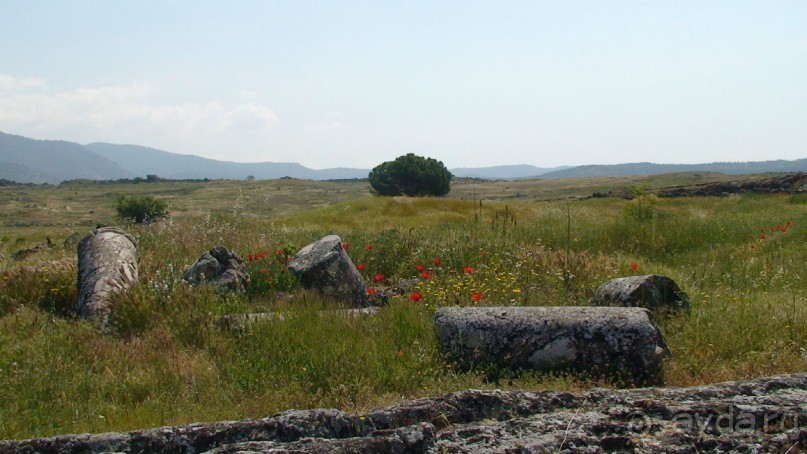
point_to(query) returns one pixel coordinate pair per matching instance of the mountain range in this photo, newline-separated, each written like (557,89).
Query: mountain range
(26,160)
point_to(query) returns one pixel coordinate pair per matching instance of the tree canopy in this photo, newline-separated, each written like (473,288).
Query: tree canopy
(411,175)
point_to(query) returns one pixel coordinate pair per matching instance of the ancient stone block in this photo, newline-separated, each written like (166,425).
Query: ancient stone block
(655,292)
(624,342)
(221,267)
(325,267)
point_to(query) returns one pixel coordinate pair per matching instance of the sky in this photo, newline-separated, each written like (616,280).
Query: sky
(357,83)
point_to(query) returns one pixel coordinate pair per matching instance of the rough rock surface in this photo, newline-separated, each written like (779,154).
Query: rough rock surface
(786,184)
(107,264)
(761,415)
(23,254)
(325,267)
(622,341)
(221,267)
(239,322)
(652,291)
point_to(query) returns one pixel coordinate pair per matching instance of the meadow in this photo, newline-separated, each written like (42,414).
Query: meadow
(166,361)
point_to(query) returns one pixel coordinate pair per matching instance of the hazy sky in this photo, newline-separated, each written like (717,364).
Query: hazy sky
(355,83)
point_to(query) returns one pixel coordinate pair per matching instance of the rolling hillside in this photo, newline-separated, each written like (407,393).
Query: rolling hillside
(27,160)
(144,161)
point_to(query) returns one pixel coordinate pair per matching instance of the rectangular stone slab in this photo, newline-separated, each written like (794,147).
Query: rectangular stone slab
(619,341)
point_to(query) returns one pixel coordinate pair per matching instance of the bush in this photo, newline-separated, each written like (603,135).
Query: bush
(411,175)
(141,209)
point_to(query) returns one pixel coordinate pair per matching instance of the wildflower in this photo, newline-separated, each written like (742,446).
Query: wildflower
(468,270)
(369,247)
(634,266)
(361,266)
(371,291)
(264,270)
(417,296)
(399,353)
(420,267)
(426,274)
(476,296)
(250,257)
(437,261)
(280,252)
(763,236)
(378,277)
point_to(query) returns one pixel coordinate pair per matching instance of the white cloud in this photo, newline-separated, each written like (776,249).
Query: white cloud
(12,84)
(125,114)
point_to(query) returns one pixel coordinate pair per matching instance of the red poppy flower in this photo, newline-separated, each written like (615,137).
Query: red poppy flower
(369,247)
(468,269)
(426,275)
(634,266)
(378,277)
(417,296)
(437,261)
(280,252)
(264,270)
(763,236)
(399,353)
(361,266)
(250,257)
(371,291)
(420,267)
(476,296)
(345,246)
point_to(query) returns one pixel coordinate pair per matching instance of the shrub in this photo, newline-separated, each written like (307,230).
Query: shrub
(411,175)
(141,209)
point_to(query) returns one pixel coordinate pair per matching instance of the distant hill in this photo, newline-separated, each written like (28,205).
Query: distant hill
(149,161)
(27,160)
(511,172)
(647,168)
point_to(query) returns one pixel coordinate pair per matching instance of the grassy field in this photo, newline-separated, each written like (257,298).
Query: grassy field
(739,258)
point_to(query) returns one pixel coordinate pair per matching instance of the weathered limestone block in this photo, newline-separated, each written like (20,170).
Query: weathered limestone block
(239,322)
(221,267)
(624,342)
(655,292)
(107,264)
(325,267)
(760,415)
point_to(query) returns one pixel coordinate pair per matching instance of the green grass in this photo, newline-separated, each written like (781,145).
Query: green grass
(166,361)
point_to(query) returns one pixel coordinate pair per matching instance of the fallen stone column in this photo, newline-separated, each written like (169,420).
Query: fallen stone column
(623,342)
(325,267)
(107,264)
(652,291)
